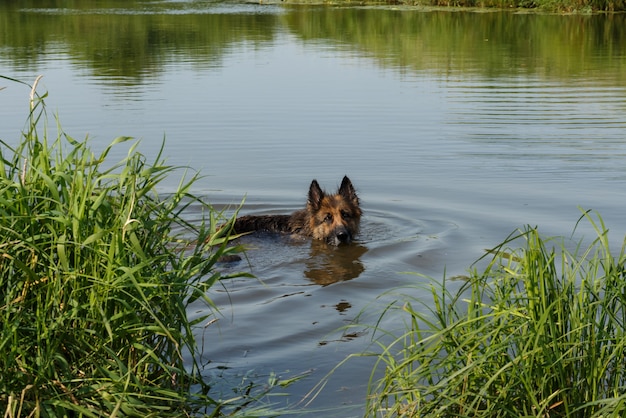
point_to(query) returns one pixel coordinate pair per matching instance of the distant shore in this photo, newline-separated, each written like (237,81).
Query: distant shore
(520,6)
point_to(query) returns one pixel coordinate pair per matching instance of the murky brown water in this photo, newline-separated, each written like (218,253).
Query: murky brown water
(455,127)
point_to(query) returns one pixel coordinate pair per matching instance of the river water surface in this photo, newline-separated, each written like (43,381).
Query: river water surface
(456,128)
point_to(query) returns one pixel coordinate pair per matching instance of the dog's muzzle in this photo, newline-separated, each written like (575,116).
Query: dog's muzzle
(340,235)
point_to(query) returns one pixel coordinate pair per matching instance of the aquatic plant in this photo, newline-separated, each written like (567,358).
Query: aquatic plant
(97,271)
(539,333)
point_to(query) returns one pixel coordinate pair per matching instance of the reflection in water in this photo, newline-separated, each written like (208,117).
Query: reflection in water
(327,265)
(131,45)
(137,43)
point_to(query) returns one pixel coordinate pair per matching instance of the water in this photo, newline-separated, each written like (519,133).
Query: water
(455,127)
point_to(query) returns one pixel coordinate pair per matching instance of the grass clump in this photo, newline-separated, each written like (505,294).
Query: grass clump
(539,333)
(96,273)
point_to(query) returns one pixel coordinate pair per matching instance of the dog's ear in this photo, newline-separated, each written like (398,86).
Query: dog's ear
(316,194)
(347,190)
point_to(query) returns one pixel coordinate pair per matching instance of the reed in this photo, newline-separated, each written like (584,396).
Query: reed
(97,271)
(539,333)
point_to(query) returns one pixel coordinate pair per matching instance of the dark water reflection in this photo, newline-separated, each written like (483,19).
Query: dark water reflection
(455,127)
(135,43)
(490,44)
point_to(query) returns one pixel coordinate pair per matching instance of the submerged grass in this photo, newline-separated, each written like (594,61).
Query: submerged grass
(539,333)
(96,273)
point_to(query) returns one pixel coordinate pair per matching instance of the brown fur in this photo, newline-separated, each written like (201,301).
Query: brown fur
(333,218)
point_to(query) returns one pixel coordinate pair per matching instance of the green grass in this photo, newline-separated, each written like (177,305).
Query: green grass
(539,333)
(96,273)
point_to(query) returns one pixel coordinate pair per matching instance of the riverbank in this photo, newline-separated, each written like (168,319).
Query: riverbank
(518,6)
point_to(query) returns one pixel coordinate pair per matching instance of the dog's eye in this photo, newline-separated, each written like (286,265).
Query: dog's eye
(328,218)
(346,214)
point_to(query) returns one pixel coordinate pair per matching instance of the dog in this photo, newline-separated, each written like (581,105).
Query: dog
(333,218)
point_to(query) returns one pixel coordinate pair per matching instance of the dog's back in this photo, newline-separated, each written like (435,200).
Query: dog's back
(262,223)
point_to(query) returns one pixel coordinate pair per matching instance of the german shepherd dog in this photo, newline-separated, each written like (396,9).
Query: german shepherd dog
(333,218)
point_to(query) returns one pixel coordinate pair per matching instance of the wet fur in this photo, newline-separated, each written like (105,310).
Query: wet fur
(333,218)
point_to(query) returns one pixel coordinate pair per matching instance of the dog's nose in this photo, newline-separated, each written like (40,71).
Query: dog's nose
(343,236)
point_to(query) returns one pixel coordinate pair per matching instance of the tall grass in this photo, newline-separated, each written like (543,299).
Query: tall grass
(96,273)
(539,333)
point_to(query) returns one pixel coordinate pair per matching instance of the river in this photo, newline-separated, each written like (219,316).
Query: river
(456,128)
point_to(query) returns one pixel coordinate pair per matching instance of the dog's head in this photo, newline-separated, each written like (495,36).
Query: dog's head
(334,218)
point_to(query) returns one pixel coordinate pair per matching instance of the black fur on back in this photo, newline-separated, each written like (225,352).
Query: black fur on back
(263,223)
